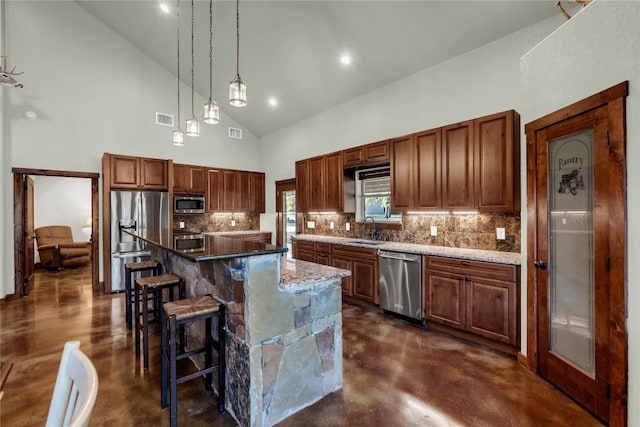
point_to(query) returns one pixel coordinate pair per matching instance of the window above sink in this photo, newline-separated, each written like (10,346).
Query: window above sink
(373,196)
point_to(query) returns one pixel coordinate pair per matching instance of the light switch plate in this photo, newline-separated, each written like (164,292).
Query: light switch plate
(347,226)
(500,233)
(233,222)
(331,225)
(181,225)
(434,230)
(311,224)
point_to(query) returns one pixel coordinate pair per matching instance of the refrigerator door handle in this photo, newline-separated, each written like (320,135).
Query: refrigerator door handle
(131,254)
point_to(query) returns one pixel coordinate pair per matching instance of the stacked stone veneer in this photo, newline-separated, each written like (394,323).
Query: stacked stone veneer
(284,343)
(477,231)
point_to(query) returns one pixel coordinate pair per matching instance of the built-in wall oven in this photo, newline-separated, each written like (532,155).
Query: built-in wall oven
(401,283)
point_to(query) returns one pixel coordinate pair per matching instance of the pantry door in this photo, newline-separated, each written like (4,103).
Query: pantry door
(578,261)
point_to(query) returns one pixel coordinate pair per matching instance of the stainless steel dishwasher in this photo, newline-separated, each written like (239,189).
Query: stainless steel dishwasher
(401,283)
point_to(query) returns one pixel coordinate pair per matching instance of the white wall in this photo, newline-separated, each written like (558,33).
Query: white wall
(62,201)
(597,49)
(93,92)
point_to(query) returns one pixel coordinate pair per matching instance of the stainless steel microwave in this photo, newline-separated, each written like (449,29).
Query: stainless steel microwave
(188,205)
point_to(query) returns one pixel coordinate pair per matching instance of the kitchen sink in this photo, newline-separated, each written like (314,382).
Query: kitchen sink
(366,242)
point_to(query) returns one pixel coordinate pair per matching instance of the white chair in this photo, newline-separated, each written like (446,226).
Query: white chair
(75,391)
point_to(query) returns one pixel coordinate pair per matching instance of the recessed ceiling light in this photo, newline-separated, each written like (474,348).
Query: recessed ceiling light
(345,59)
(164,8)
(273,101)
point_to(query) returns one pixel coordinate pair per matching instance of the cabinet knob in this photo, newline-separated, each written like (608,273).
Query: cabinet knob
(540,264)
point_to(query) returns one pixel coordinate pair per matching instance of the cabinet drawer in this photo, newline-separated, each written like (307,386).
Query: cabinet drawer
(470,268)
(305,245)
(355,252)
(323,247)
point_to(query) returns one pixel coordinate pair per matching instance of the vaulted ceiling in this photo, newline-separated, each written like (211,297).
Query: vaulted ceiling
(291,50)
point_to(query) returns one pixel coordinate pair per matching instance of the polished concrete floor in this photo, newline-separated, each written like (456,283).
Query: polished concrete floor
(395,374)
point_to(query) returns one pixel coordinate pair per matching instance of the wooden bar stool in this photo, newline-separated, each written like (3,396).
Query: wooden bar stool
(129,269)
(145,287)
(175,315)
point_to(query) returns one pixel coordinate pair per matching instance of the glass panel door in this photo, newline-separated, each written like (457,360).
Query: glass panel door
(289,206)
(571,250)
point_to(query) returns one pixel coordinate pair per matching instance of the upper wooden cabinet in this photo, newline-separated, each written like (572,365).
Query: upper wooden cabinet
(128,172)
(497,162)
(320,184)
(189,179)
(367,155)
(473,165)
(235,191)
(457,167)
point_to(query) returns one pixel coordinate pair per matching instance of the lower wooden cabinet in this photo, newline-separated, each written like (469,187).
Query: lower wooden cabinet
(478,297)
(363,264)
(344,263)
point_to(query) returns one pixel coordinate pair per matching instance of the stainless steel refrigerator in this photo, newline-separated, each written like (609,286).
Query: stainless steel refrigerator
(135,210)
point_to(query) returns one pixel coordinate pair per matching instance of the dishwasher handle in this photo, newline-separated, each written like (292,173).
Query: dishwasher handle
(400,256)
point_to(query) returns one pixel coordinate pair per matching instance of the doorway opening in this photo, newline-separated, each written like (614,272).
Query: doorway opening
(286,216)
(83,220)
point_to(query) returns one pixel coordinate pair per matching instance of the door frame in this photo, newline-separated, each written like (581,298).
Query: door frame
(283,185)
(18,223)
(614,99)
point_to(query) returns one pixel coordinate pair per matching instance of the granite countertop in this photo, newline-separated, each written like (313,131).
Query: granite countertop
(298,275)
(216,247)
(471,254)
(234,233)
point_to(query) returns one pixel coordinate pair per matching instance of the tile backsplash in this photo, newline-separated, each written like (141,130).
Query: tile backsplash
(476,231)
(206,222)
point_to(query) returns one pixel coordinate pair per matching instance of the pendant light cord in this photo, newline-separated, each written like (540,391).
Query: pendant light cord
(237,37)
(192,49)
(178,72)
(210,48)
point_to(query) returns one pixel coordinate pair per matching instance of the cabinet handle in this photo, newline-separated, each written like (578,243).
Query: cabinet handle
(540,264)
(465,263)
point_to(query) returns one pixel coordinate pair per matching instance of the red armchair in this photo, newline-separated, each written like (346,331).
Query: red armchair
(58,250)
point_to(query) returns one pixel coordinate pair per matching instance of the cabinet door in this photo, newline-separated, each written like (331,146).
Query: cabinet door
(243,193)
(345,264)
(125,172)
(377,152)
(365,279)
(353,157)
(214,182)
(491,309)
(401,174)
(180,178)
(197,179)
(154,174)
(444,298)
(457,167)
(427,176)
(306,255)
(323,258)
(229,189)
(497,162)
(302,186)
(256,199)
(316,183)
(333,182)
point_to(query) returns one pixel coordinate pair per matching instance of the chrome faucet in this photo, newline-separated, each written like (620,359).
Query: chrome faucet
(374,232)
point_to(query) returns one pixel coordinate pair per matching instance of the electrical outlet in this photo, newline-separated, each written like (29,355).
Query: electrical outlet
(347,226)
(331,225)
(500,233)
(311,224)
(434,231)
(233,222)
(181,225)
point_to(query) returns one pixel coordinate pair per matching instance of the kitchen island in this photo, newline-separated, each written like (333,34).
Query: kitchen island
(284,322)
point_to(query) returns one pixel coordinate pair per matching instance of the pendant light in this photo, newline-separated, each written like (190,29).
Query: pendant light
(211,109)
(193,127)
(178,135)
(237,88)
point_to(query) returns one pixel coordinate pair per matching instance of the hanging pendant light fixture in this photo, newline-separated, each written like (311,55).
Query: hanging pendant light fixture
(178,135)
(211,109)
(237,88)
(193,127)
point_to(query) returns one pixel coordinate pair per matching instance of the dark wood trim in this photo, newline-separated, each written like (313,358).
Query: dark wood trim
(614,99)
(522,360)
(18,195)
(282,185)
(20,289)
(594,101)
